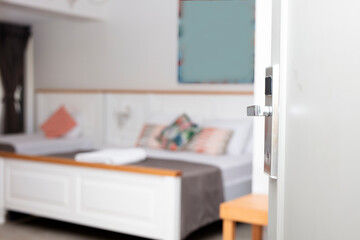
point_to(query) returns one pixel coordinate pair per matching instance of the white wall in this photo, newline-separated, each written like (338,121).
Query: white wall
(75,9)
(136,48)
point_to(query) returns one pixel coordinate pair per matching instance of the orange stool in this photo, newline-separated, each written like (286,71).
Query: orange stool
(251,209)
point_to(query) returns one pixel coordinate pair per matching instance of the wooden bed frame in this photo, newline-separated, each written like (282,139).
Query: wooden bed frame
(140,201)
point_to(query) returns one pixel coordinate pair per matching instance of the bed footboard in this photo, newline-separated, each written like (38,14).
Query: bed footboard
(132,203)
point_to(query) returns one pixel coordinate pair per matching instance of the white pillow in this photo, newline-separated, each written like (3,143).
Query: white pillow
(75,132)
(249,147)
(242,131)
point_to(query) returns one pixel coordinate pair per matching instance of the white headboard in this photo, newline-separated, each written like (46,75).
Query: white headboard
(142,106)
(102,112)
(87,107)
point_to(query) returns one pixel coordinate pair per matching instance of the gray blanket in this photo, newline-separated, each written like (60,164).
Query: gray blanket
(201,191)
(7,147)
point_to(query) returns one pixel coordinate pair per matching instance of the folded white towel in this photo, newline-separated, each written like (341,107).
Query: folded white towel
(113,156)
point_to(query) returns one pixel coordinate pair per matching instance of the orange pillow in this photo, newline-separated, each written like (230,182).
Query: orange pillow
(58,124)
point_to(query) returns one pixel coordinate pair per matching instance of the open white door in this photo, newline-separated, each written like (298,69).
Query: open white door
(316,194)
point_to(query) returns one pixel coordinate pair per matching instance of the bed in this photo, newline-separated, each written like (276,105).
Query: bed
(38,144)
(142,199)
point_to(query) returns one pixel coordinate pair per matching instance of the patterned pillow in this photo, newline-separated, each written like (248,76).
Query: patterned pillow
(148,136)
(58,124)
(178,133)
(212,141)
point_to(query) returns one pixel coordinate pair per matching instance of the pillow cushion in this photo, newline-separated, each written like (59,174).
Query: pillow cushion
(212,141)
(58,124)
(148,135)
(178,133)
(249,145)
(242,131)
(76,131)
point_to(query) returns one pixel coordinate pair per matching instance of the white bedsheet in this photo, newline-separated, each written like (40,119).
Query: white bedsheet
(236,170)
(38,144)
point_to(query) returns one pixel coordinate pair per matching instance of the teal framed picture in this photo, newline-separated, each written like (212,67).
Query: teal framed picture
(216,41)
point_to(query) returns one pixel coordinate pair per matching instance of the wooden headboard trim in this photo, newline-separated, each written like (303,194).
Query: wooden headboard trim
(130,91)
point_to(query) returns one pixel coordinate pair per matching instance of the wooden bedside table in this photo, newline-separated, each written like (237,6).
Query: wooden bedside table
(251,209)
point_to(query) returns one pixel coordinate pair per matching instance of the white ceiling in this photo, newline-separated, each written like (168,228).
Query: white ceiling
(30,16)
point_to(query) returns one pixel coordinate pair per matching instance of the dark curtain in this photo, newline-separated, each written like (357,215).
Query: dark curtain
(13,42)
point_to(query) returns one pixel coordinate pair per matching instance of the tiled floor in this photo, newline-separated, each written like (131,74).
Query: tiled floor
(23,227)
